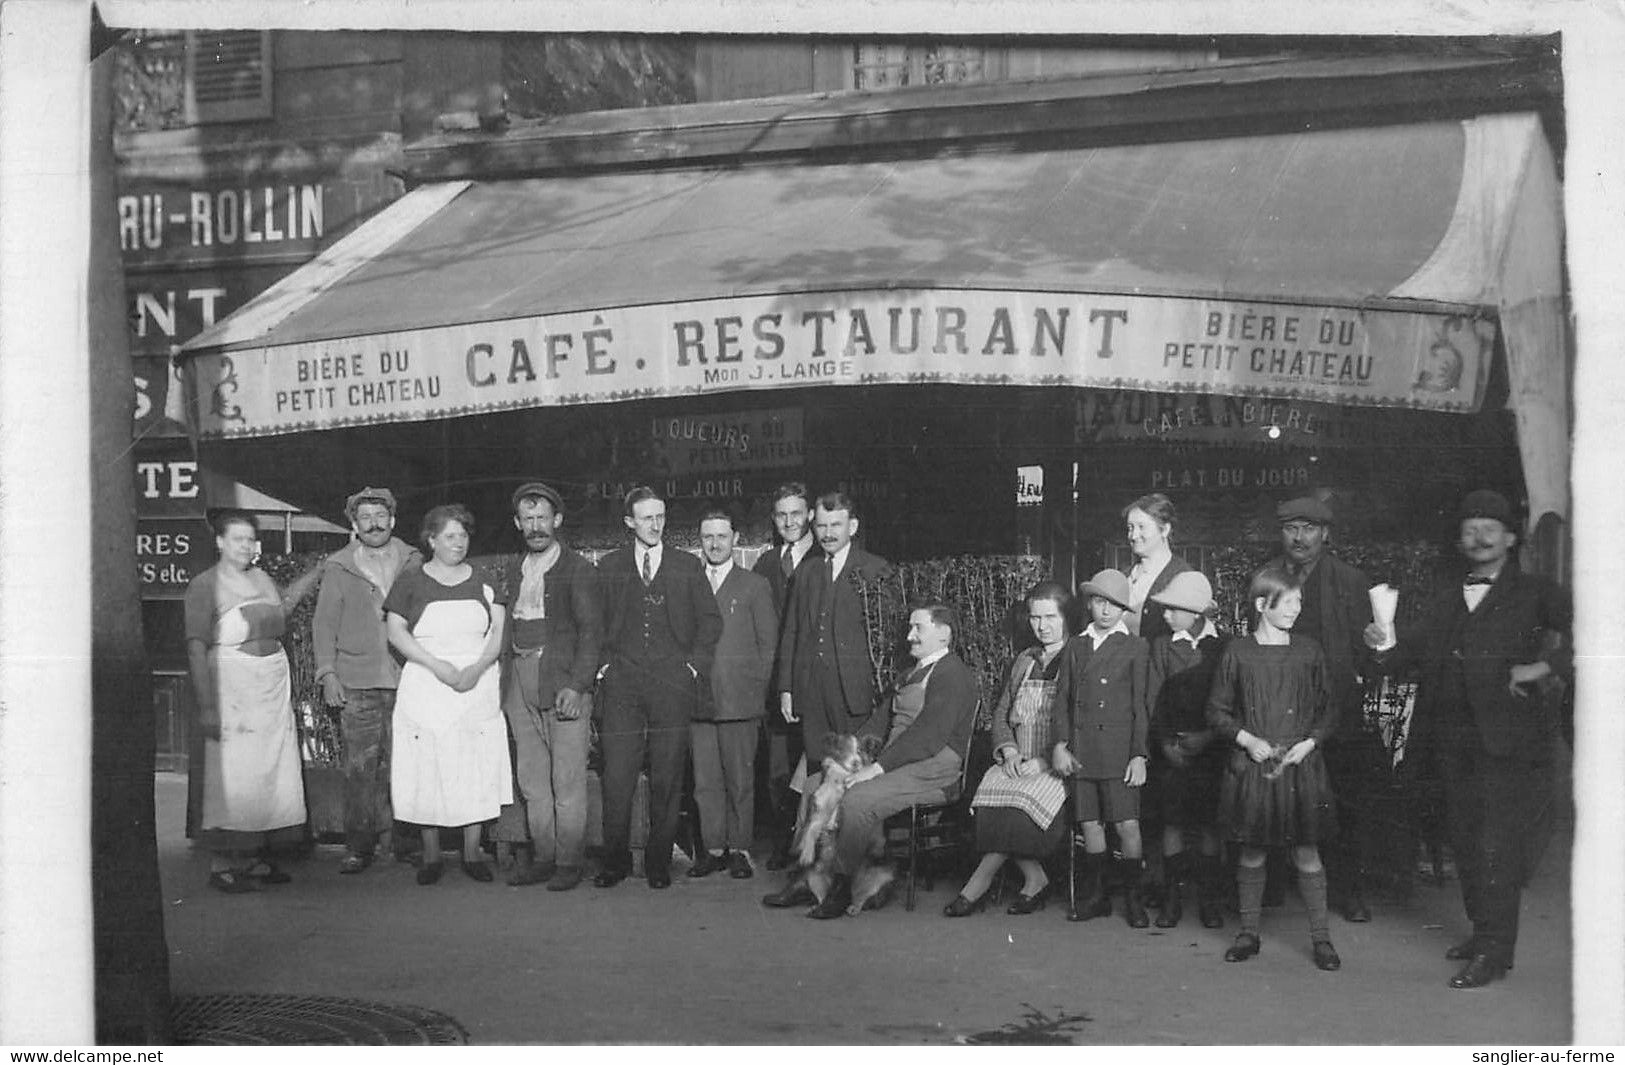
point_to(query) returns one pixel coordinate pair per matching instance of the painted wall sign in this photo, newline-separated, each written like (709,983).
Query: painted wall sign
(737,440)
(170,221)
(169,553)
(1144,343)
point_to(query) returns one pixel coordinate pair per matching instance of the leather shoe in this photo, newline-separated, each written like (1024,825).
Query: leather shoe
(479,870)
(835,903)
(564,879)
(795,893)
(1245,946)
(1026,904)
(1326,959)
(1355,910)
(705,863)
(739,866)
(429,873)
(530,873)
(1481,970)
(354,863)
(609,878)
(660,879)
(963,907)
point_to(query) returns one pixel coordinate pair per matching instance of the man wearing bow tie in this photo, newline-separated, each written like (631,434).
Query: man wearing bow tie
(660,634)
(1336,610)
(729,719)
(1493,657)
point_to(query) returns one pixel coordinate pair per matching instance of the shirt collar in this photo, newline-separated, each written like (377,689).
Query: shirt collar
(837,561)
(720,572)
(1196,638)
(799,549)
(1097,637)
(654,553)
(934,656)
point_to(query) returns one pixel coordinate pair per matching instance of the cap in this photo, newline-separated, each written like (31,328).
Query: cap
(369,495)
(1187,590)
(1108,584)
(1304,508)
(539,490)
(1484,503)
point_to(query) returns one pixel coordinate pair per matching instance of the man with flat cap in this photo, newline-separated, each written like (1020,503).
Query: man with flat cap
(1336,610)
(354,666)
(1493,657)
(549,657)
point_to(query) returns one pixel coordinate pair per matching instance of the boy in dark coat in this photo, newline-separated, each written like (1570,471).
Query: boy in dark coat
(1101,725)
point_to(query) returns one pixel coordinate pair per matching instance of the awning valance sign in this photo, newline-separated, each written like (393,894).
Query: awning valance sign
(1375,266)
(977,337)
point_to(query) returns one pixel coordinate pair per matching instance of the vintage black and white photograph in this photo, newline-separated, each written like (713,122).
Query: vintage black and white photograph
(751,527)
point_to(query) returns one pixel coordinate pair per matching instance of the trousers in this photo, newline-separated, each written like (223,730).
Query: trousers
(647,709)
(550,767)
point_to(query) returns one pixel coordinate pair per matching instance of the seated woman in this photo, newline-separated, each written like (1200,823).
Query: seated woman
(1019,800)
(253,786)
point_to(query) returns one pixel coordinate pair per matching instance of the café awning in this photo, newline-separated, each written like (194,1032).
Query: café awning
(1367,266)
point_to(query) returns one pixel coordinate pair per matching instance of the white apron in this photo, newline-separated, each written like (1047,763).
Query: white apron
(449,758)
(252,780)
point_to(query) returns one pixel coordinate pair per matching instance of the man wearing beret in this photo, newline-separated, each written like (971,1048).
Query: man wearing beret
(1493,657)
(1336,610)
(354,666)
(549,656)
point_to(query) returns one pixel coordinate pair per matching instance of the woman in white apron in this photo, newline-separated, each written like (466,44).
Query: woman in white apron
(1019,801)
(449,756)
(253,787)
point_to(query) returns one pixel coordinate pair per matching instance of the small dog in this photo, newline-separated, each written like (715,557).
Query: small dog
(844,755)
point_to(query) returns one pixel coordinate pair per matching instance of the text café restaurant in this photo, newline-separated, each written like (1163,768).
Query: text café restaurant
(993,341)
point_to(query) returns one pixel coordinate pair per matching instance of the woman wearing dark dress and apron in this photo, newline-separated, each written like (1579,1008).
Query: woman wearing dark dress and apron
(1018,803)
(1270,701)
(253,784)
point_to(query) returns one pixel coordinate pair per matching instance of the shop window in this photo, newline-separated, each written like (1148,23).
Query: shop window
(228,75)
(893,64)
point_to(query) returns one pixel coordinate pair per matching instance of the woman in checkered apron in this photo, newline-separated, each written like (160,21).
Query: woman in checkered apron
(1018,802)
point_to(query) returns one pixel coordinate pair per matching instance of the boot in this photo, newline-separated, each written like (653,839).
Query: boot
(1132,871)
(1092,900)
(1210,889)
(1173,903)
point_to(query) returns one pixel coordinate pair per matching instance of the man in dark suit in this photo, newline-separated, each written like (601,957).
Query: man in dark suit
(660,635)
(1336,610)
(782,566)
(549,656)
(826,680)
(926,726)
(1493,657)
(723,735)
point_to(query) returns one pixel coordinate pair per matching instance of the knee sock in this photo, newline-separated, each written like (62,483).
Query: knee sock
(1312,886)
(1250,895)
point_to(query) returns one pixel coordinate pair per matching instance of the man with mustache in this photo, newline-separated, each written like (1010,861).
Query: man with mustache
(549,657)
(354,666)
(1493,654)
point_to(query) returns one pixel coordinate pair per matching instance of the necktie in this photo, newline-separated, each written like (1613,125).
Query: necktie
(787,562)
(648,570)
(1472,581)
(715,575)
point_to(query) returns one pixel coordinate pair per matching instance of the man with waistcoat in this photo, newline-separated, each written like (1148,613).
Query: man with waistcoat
(796,551)
(661,626)
(1493,656)
(549,658)
(354,666)
(1336,610)
(723,736)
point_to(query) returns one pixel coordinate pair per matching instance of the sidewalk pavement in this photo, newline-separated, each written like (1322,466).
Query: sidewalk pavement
(704,962)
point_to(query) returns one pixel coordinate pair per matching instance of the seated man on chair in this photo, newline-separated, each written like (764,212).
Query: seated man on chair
(926,730)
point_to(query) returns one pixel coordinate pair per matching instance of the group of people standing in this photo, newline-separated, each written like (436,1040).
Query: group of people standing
(1259,739)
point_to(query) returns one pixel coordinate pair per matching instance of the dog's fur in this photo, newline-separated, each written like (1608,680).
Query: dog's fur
(844,755)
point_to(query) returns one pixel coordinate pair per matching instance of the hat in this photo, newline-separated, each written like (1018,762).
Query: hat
(1187,590)
(537,489)
(1108,584)
(1484,503)
(369,495)
(1304,508)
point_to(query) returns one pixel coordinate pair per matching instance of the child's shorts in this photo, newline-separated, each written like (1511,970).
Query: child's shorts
(1104,800)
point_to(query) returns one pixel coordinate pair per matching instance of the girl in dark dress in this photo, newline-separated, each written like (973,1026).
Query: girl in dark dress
(1270,701)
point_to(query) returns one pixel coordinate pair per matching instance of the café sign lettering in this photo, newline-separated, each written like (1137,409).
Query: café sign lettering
(1333,355)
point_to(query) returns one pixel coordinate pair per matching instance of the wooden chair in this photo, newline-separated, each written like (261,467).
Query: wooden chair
(930,829)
